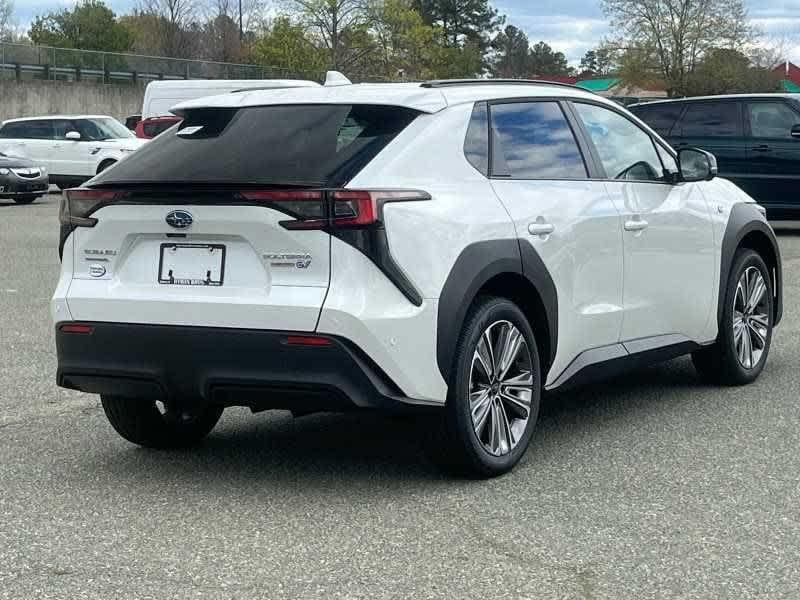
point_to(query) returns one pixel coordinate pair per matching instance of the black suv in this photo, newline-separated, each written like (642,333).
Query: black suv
(756,139)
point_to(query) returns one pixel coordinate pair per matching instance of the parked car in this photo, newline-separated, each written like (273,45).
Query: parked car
(21,179)
(161,96)
(382,250)
(73,149)
(131,121)
(756,139)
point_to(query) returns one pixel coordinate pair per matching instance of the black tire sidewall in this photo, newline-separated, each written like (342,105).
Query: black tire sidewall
(486,312)
(744,260)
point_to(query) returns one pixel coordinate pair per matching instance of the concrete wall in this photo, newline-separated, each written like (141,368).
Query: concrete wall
(39,98)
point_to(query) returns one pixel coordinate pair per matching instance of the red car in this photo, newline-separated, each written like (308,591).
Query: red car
(150,128)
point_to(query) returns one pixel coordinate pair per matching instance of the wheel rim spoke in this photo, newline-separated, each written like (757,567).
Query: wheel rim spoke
(501,387)
(480,410)
(751,317)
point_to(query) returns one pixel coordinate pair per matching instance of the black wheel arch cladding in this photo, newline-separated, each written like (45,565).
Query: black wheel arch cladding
(745,219)
(476,266)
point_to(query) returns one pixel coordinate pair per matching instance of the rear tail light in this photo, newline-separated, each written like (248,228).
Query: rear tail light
(336,209)
(78,203)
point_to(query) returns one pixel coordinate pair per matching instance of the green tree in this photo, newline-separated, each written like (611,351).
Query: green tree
(411,49)
(462,21)
(512,53)
(546,61)
(726,71)
(598,62)
(90,25)
(286,46)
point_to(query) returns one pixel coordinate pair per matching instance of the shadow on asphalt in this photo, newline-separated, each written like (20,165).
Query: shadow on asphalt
(356,447)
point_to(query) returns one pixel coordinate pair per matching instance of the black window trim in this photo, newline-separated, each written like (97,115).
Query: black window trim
(602,175)
(583,149)
(747,130)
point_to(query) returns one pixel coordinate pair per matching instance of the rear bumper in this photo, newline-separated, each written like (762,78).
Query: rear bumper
(233,367)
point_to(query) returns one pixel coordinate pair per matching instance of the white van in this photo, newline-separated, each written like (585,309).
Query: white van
(160,96)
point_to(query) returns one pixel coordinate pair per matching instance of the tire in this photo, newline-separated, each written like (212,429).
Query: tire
(740,352)
(484,446)
(104,165)
(144,423)
(25,199)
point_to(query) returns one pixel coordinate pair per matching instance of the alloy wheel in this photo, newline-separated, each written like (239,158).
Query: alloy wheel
(500,387)
(750,318)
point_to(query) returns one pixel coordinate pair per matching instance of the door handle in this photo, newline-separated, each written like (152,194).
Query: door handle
(541,228)
(635,225)
(761,148)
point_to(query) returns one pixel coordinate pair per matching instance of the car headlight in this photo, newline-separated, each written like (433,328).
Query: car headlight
(127,150)
(43,170)
(4,171)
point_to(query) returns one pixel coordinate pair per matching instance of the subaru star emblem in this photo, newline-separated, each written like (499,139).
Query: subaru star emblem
(179,219)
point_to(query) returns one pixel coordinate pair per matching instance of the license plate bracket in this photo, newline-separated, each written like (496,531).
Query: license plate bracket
(191,264)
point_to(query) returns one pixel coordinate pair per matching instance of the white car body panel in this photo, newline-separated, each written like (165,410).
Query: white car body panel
(255,294)
(670,267)
(583,256)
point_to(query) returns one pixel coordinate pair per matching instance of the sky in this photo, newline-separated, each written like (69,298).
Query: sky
(570,26)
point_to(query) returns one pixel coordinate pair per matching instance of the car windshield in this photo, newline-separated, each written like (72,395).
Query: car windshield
(103,129)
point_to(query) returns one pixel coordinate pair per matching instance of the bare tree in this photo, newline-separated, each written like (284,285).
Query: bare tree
(336,22)
(173,20)
(676,33)
(6,19)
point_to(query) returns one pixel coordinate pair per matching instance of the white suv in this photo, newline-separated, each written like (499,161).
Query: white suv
(72,148)
(457,246)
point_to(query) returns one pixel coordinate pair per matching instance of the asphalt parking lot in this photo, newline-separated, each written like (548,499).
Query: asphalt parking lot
(651,486)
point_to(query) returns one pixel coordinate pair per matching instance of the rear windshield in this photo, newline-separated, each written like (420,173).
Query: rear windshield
(320,145)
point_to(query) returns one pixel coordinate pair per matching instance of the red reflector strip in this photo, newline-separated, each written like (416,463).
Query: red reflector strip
(353,208)
(280,195)
(308,340)
(93,194)
(76,328)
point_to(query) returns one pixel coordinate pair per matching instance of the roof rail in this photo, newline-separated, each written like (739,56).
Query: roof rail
(437,83)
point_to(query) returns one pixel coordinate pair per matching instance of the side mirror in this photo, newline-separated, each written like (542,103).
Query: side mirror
(696,165)
(795,133)
(73,135)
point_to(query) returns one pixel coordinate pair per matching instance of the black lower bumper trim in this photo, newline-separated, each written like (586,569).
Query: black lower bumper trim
(233,367)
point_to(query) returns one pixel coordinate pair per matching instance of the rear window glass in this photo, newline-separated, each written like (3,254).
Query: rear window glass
(306,145)
(712,119)
(661,117)
(154,128)
(532,140)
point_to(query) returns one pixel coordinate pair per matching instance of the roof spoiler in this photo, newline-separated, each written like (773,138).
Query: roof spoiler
(334,79)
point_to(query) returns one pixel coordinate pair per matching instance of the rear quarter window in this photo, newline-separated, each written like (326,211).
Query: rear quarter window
(322,145)
(660,117)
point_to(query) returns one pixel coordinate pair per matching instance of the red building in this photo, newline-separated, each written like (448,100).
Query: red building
(788,70)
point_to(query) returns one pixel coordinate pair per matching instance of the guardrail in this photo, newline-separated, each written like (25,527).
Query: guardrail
(24,62)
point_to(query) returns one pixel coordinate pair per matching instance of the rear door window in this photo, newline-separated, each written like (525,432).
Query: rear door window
(771,119)
(30,130)
(321,145)
(712,119)
(660,117)
(533,140)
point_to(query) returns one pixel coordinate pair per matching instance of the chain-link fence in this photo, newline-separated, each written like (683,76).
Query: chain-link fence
(23,62)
